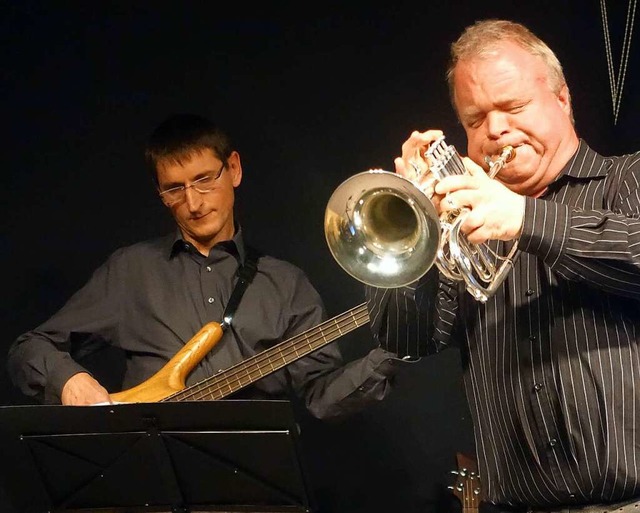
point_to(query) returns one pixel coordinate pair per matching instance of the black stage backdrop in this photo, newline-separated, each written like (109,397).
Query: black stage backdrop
(312,93)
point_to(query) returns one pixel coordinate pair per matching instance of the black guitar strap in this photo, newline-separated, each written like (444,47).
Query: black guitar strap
(245,277)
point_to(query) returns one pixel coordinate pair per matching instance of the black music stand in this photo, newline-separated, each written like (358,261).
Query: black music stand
(186,457)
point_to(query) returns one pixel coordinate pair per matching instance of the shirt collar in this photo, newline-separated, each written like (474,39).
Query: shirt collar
(235,246)
(585,163)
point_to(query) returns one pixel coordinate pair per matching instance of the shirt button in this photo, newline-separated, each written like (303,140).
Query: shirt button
(208,268)
(538,386)
(532,338)
(529,292)
(211,300)
(553,442)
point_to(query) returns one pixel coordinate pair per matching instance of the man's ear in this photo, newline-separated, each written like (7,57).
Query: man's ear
(235,168)
(564,99)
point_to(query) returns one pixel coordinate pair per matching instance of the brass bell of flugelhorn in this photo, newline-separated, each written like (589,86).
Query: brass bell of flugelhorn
(385,232)
(382,229)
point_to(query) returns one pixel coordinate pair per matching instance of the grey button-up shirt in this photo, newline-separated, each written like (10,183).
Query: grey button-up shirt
(151,298)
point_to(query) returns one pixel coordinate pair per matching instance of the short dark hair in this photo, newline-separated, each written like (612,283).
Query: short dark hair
(179,137)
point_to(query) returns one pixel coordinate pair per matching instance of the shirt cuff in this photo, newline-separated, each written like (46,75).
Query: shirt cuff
(61,373)
(545,229)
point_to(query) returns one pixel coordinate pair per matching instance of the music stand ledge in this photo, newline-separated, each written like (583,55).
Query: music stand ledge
(182,457)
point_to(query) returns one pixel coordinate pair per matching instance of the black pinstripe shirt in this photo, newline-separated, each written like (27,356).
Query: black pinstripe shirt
(552,361)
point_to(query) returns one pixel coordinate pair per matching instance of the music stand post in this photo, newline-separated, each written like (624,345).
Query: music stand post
(182,457)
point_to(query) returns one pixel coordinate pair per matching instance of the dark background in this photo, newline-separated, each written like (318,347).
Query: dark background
(312,93)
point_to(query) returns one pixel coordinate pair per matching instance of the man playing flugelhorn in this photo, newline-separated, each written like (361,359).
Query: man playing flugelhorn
(552,359)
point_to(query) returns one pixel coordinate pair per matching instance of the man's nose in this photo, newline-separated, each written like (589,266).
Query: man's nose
(193,199)
(497,124)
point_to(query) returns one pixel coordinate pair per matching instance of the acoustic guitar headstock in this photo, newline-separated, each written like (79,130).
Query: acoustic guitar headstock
(467,485)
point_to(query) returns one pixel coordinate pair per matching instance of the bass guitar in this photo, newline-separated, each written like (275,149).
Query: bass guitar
(467,485)
(168,384)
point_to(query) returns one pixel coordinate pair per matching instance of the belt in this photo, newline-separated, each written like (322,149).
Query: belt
(632,506)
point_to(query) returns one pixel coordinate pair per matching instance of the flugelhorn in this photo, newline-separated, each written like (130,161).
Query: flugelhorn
(385,232)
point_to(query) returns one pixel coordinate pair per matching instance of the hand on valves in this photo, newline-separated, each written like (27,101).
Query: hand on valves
(495,212)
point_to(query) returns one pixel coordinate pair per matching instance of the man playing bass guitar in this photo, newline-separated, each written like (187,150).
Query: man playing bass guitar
(149,299)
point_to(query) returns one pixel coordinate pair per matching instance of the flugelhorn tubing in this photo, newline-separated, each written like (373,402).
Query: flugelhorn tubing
(472,260)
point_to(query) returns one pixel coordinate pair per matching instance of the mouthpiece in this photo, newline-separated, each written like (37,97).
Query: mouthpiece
(507,154)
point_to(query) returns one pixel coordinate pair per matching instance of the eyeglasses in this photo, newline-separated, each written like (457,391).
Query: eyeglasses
(202,185)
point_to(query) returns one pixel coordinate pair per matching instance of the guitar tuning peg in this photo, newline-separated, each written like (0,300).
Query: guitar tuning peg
(450,488)
(454,472)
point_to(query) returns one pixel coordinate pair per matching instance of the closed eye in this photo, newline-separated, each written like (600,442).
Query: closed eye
(474,122)
(204,180)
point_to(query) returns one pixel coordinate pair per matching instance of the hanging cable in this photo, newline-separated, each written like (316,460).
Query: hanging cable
(616,83)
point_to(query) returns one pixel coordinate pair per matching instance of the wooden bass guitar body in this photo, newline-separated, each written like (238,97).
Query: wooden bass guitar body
(171,378)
